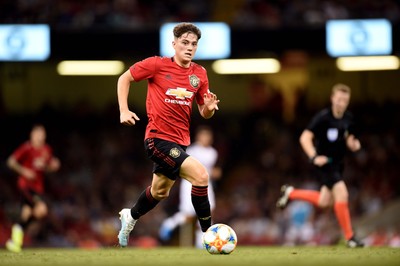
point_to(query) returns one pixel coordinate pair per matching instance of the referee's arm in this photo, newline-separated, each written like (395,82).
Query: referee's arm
(353,143)
(306,142)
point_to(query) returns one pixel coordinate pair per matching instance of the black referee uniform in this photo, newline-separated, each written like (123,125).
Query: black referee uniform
(330,135)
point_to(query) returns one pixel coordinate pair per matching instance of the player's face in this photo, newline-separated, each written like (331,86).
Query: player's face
(185,48)
(205,138)
(340,101)
(38,136)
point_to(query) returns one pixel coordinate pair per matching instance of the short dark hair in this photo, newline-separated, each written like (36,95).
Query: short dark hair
(341,87)
(203,128)
(185,27)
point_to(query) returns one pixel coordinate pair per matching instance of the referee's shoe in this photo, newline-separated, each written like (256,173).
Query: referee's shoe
(354,243)
(284,199)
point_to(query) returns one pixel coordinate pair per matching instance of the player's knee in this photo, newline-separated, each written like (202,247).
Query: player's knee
(325,204)
(201,179)
(40,211)
(160,194)
(342,198)
(26,213)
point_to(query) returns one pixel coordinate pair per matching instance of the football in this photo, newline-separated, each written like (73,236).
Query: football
(220,239)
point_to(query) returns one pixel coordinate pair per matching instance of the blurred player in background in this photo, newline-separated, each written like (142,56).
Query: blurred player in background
(173,84)
(325,141)
(202,150)
(31,160)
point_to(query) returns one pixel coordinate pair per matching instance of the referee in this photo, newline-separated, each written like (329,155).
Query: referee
(325,141)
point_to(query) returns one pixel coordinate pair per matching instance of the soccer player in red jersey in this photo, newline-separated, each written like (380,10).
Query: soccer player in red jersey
(325,141)
(31,160)
(173,84)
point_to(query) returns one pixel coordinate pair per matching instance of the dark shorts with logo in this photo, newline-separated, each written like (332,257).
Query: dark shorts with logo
(329,174)
(166,155)
(30,197)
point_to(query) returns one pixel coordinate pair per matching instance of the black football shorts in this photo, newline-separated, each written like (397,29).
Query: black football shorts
(166,155)
(30,197)
(329,174)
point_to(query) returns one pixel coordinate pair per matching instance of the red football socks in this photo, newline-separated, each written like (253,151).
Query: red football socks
(343,216)
(341,208)
(306,195)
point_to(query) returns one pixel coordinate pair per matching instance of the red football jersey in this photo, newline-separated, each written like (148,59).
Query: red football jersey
(170,94)
(36,159)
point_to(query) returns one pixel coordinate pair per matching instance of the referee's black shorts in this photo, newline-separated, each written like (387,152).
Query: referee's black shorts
(166,155)
(329,174)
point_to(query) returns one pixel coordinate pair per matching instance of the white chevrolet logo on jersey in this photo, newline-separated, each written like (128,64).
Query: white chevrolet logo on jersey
(180,93)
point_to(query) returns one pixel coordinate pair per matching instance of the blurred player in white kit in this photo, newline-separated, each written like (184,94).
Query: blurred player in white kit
(203,151)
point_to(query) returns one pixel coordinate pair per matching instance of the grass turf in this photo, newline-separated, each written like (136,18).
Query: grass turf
(252,256)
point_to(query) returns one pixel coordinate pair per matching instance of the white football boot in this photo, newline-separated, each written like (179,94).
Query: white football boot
(127,225)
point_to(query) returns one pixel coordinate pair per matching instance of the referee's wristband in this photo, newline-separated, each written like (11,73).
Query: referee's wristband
(312,159)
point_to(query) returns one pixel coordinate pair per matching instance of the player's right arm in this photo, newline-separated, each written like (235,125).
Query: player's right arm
(353,143)
(127,117)
(53,165)
(14,165)
(306,142)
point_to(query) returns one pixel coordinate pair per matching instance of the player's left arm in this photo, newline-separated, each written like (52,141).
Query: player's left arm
(53,165)
(351,134)
(207,109)
(353,144)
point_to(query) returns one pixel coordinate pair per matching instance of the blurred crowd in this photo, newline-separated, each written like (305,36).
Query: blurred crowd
(104,168)
(139,14)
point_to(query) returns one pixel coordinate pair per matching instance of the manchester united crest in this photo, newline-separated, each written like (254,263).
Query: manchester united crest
(194,81)
(174,152)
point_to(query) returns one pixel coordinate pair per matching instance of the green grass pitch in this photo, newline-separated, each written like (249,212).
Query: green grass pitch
(252,256)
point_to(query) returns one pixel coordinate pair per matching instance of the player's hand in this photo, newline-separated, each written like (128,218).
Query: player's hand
(211,101)
(53,165)
(28,173)
(353,144)
(128,118)
(320,160)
